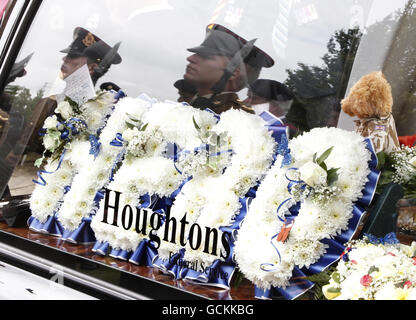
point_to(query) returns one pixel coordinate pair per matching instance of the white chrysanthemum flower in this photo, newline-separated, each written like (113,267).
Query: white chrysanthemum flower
(319,217)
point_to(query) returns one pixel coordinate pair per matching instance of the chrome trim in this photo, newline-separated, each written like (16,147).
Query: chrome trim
(72,275)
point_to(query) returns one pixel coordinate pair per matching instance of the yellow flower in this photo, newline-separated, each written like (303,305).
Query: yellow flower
(330,292)
(401,294)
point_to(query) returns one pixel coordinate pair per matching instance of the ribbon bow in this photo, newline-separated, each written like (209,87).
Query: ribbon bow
(389,238)
(40,172)
(95,145)
(288,222)
(117,141)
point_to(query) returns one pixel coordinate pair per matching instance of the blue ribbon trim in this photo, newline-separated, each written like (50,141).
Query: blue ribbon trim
(389,238)
(172,266)
(95,146)
(275,125)
(119,95)
(117,141)
(144,254)
(51,226)
(336,246)
(40,172)
(101,248)
(120,254)
(297,286)
(219,273)
(81,235)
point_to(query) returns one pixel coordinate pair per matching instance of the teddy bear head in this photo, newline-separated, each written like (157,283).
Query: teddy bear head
(369,97)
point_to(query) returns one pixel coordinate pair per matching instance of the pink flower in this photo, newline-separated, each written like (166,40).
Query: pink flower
(391,254)
(407,284)
(366,280)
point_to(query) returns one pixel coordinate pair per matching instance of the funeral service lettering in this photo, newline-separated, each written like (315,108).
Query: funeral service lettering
(141,220)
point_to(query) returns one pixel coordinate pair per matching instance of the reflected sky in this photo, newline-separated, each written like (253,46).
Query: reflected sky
(156,33)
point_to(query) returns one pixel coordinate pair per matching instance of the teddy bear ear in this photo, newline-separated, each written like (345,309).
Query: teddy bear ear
(346,106)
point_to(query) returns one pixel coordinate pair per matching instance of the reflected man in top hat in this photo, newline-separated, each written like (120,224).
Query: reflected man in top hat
(269,95)
(221,66)
(186,90)
(87,48)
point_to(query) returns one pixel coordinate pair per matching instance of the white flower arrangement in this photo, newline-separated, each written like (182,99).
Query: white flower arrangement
(96,171)
(66,138)
(374,271)
(146,168)
(404,163)
(269,263)
(212,201)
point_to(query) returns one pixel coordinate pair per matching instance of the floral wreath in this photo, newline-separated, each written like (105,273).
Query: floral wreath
(148,170)
(95,175)
(205,203)
(67,140)
(308,198)
(374,269)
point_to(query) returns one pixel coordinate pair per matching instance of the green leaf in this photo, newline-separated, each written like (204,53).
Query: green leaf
(195,124)
(337,277)
(332,176)
(381,157)
(324,156)
(130,125)
(55,134)
(320,278)
(132,118)
(39,161)
(314,157)
(323,166)
(73,104)
(144,127)
(373,269)
(334,290)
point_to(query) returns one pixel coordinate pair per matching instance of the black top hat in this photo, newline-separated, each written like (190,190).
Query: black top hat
(221,41)
(184,86)
(271,90)
(87,44)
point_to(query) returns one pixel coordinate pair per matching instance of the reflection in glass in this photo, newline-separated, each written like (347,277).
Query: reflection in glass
(221,66)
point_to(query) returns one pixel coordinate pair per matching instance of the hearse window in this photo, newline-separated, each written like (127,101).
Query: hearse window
(305,53)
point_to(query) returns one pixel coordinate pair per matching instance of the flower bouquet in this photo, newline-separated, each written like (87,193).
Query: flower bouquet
(374,269)
(304,208)
(399,167)
(66,139)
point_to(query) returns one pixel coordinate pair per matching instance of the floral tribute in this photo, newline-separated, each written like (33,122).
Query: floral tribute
(374,269)
(213,199)
(148,168)
(66,139)
(304,203)
(399,167)
(81,200)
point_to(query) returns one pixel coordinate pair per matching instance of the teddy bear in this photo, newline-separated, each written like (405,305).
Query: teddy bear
(370,100)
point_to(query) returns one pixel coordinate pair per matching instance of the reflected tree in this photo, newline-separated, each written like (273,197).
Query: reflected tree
(21,99)
(400,68)
(319,88)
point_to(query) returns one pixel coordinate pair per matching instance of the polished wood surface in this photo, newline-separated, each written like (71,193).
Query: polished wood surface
(245,291)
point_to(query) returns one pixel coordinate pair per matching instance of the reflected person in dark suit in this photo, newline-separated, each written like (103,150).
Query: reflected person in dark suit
(221,66)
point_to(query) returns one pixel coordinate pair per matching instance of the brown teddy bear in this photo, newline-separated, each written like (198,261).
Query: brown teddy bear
(371,101)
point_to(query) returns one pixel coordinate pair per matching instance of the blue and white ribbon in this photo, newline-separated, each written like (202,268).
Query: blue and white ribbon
(40,172)
(95,145)
(335,247)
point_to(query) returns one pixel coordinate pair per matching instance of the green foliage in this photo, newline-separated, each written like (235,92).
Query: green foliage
(21,99)
(332,174)
(319,88)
